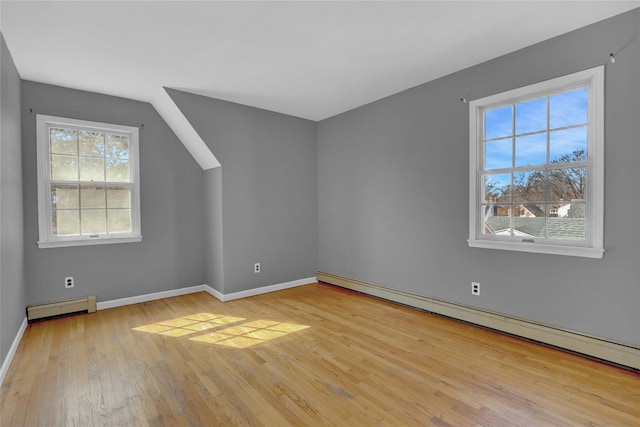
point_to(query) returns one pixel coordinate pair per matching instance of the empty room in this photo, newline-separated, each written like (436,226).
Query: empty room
(305,213)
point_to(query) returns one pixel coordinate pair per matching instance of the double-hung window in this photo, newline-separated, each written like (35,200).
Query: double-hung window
(537,167)
(88,183)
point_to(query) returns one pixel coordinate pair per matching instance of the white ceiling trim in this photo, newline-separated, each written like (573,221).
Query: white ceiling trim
(179,124)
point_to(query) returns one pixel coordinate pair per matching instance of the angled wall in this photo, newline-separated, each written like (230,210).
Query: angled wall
(13,286)
(267,188)
(171,254)
(393,190)
(214,256)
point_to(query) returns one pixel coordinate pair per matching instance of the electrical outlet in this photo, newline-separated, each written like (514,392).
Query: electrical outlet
(475,288)
(68,282)
(256,267)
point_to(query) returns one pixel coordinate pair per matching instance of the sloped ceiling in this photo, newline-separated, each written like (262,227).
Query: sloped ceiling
(308,59)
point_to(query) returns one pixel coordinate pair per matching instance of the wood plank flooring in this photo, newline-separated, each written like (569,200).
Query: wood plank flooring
(316,355)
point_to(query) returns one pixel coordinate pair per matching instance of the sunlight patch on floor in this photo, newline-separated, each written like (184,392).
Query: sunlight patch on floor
(223,330)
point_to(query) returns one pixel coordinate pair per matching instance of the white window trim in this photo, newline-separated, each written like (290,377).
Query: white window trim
(46,239)
(593,247)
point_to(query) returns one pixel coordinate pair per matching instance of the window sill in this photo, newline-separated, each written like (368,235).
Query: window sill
(89,241)
(539,248)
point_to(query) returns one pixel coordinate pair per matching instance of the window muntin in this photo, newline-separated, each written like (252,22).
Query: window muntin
(536,167)
(88,182)
(544,166)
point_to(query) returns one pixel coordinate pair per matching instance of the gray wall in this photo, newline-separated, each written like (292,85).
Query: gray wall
(13,290)
(268,190)
(394,187)
(171,254)
(214,266)
(379,193)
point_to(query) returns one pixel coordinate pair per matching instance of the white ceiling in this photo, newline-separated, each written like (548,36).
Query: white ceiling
(308,59)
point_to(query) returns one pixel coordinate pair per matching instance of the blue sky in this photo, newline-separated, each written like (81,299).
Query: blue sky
(565,109)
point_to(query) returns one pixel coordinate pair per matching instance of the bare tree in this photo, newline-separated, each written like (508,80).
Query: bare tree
(528,188)
(563,184)
(568,183)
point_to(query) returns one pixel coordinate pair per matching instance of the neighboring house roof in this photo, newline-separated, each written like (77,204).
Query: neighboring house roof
(567,228)
(577,210)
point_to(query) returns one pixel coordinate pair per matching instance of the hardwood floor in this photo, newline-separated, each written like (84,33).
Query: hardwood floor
(308,356)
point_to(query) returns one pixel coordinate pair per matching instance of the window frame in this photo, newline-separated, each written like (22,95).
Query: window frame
(592,246)
(46,238)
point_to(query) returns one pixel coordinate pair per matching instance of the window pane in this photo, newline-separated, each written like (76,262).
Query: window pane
(64,196)
(118,170)
(497,188)
(64,168)
(119,220)
(498,122)
(569,145)
(558,210)
(91,169)
(91,143)
(531,116)
(568,108)
(525,224)
(498,154)
(117,146)
(578,209)
(63,141)
(92,196)
(531,150)
(569,223)
(497,220)
(529,187)
(65,222)
(79,202)
(567,184)
(118,197)
(93,222)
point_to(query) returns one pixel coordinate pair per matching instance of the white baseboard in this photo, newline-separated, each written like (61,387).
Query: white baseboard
(214,293)
(616,352)
(12,351)
(150,297)
(261,290)
(159,295)
(203,288)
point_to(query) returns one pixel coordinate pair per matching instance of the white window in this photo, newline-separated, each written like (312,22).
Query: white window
(88,183)
(537,167)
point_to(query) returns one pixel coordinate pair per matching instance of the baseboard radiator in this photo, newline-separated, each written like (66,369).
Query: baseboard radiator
(58,308)
(600,348)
